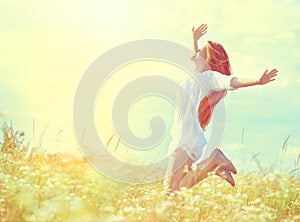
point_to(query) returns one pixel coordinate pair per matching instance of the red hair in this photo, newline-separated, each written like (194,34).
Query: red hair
(217,59)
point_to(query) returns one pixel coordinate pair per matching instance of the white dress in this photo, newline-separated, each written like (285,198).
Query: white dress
(186,132)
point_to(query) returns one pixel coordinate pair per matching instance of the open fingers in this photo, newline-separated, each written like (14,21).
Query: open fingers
(274,71)
(271,73)
(202,27)
(203,33)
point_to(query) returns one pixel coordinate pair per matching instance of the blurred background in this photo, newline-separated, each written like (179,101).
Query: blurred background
(46,46)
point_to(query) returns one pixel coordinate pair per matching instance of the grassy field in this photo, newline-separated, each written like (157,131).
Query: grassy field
(62,188)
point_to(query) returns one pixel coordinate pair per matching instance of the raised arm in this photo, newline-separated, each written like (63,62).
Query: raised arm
(197,34)
(267,77)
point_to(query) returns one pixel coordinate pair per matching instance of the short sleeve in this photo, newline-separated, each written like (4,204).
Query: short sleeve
(212,80)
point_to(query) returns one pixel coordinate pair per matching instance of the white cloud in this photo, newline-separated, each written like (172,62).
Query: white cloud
(286,36)
(291,153)
(235,146)
(247,17)
(256,40)
(4,114)
(283,82)
(297,54)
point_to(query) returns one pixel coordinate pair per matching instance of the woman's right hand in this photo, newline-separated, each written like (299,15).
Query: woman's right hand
(199,32)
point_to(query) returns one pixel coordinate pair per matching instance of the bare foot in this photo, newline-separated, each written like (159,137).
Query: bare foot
(226,175)
(216,163)
(219,161)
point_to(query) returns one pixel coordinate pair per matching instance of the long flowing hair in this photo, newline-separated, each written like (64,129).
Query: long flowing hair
(217,59)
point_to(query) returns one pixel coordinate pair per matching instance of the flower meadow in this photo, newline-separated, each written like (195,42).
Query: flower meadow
(59,187)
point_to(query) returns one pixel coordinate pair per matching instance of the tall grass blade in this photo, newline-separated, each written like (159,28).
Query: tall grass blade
(283,151)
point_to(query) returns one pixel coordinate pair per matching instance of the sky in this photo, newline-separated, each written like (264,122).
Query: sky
(46,46)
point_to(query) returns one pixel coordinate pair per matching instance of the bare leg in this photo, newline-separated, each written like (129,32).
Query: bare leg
(216,162)
(180,163)
(195,175)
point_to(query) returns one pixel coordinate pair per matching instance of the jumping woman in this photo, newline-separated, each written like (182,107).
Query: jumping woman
(205,88)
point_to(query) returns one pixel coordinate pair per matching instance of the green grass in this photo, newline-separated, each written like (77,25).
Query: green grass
(62,188)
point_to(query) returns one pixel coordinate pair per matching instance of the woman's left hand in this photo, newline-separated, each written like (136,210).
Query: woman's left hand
(268,77)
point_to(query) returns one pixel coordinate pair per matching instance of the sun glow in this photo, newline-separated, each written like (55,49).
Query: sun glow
(98,16)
